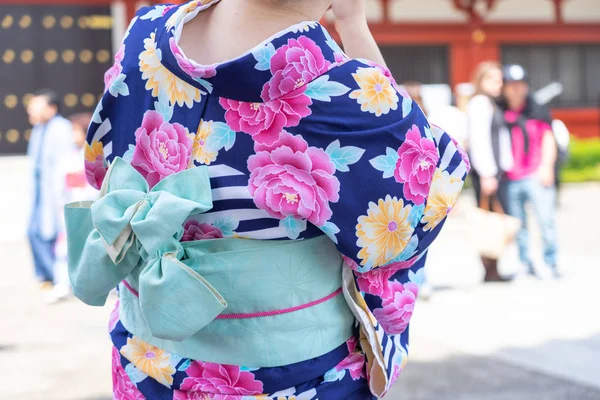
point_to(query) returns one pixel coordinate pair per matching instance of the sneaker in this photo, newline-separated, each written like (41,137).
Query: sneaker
(46,286)
(57,294)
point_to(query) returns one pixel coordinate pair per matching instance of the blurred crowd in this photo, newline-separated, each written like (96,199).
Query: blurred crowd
(516,151)
(514,147)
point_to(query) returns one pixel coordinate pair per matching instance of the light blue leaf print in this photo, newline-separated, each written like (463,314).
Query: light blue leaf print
(417,277)
(386,163)
(222,136)
(293,227)
(154,14)
(331,229)
(330,42)
(185,365)
(334,375)
(96,117)
(343,156)
(409,251)
(135,374)
(263,56)
(429,133)
(128,156)
(415,215)
(163,106)
(323,90)
(407,106)
(119,87)
(206,84)
(227,225)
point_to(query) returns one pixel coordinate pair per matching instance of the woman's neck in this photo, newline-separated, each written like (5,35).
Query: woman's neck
(232,27)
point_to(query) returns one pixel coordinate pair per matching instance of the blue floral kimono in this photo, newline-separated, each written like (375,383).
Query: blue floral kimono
(299,142)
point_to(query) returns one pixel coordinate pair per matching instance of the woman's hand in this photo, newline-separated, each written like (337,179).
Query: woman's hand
(546,175)
(489,185)
(351,24)
(349,11)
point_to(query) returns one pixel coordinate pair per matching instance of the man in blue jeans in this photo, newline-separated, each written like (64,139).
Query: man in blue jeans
(532,178)
(51,141)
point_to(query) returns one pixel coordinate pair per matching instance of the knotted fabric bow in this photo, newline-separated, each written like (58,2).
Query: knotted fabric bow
(134,230)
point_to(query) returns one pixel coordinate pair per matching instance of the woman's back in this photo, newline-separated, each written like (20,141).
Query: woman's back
(298,141)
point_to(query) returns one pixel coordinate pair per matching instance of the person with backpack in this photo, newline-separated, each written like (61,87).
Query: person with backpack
(532,176)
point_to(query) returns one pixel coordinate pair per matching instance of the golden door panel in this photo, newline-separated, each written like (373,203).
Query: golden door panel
(63,48)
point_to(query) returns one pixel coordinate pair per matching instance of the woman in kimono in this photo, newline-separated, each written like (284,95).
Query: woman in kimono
(266,218)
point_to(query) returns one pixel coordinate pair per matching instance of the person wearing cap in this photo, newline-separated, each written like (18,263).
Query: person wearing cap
(532,177)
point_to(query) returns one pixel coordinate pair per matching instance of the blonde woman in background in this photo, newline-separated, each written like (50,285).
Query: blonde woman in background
(489,148)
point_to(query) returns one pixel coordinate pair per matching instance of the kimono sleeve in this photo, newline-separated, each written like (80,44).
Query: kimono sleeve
(120,82)
(396,179)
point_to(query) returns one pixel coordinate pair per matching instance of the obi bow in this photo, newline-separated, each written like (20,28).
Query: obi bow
(134,230)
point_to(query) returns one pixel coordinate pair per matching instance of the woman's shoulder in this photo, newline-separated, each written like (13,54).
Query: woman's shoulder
(480,103)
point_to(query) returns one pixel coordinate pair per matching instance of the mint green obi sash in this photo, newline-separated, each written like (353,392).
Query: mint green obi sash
(232,301)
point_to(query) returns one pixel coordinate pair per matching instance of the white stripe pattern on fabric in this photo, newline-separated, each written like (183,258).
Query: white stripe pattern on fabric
(267,234)
(108,150)
(447,156)
(219,171)
(102,130)
(231,193)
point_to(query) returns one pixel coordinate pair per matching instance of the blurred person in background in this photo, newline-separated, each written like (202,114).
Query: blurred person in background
(532,176)
(51,141)
(75,188)
(489,148)
(453,118)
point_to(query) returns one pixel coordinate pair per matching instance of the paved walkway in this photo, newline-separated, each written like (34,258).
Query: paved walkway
(532,340)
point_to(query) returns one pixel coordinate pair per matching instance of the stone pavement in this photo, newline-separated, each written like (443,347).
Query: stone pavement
(528,340)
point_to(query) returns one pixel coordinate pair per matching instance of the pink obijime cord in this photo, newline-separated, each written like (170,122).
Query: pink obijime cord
(261,314)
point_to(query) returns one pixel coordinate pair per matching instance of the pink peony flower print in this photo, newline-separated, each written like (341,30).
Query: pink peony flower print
(95,172)
(296,143)
(355,362)
(416,165)
(398,308)
(293,66)
(185,395)
(377,281)
(123,388)
(265,121)
(162,149)
(114,318)
(114,71)
(188,66)
(222,382)
(294,181)
(195,230)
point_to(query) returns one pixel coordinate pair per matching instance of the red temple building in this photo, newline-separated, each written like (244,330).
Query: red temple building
(64,44)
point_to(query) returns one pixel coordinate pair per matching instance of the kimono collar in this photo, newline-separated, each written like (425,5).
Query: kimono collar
(285,62)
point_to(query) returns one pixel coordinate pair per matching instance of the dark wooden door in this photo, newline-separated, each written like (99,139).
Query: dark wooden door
(63,48)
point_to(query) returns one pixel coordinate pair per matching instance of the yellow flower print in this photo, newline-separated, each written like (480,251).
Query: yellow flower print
(149,359)
(94,152)
(376,94)
(200,149)
(161,79)
(443,195)
(384,232)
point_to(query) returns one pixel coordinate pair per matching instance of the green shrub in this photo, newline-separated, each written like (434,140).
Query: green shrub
(584,161)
